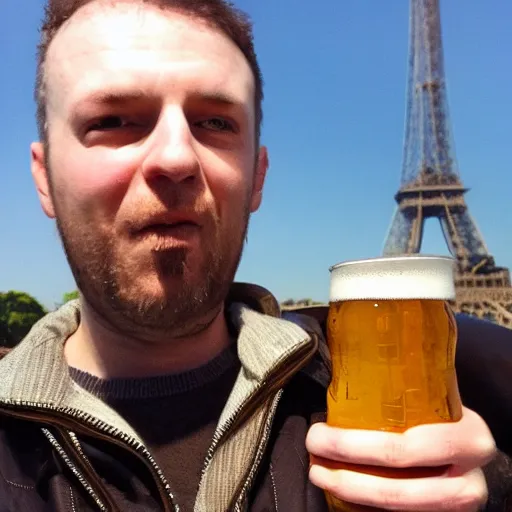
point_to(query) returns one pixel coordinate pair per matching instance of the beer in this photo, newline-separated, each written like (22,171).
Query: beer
(391,335)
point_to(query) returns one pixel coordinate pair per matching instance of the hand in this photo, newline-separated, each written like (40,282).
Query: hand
(426,468)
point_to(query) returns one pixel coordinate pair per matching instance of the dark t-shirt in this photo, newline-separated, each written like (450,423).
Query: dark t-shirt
(175,415)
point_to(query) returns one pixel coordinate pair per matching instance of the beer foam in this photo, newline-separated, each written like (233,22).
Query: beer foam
(402,277)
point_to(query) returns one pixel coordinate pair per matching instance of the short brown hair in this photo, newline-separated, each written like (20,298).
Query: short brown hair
(219,14)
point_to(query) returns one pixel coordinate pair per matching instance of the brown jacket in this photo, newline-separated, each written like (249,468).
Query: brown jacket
(63,449)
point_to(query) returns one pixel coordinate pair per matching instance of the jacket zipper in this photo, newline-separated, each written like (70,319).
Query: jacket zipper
(58,448)
(291,364)
(89,425)
(259,454)
(92,475)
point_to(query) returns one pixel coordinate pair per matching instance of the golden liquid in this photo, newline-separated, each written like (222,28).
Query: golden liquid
(393,367)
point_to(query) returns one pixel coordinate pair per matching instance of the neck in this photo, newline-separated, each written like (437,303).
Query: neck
(100,350)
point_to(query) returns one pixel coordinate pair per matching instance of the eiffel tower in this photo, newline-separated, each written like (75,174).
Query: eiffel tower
(431,185)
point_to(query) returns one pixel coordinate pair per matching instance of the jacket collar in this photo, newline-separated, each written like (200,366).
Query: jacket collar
(35,372)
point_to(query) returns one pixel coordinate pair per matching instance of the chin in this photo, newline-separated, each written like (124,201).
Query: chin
(162,288)
(150,290)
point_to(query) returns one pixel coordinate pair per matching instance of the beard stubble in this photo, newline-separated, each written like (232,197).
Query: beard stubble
(102,273)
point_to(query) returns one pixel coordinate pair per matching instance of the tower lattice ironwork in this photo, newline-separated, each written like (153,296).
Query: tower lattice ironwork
(431,185)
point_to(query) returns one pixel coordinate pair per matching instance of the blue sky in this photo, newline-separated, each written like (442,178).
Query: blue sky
(335,73)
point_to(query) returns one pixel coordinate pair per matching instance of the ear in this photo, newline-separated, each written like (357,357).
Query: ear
(259,178)
(41,178)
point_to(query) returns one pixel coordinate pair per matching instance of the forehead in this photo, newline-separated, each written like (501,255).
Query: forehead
(126,45)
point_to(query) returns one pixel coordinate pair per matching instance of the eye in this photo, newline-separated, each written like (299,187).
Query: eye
(108,123)
(217,124)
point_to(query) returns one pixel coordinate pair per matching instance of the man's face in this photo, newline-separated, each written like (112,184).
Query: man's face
(151,168)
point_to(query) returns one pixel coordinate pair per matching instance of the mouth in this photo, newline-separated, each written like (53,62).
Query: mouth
(166,231)
(171,229)
(168,234)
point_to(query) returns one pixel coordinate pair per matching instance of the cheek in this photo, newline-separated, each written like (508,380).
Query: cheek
(92,181)
(230,183)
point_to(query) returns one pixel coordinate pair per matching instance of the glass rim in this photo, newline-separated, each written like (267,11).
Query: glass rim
(402,257)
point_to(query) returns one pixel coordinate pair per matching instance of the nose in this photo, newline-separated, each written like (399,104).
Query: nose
(171,152)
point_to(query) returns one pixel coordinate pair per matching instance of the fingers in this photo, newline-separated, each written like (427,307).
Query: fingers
(466,444)
(387,472)
(461,493)
(369,467)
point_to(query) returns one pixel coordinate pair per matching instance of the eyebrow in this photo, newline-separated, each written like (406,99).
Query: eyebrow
(215,98)
(112,98)
(120,98)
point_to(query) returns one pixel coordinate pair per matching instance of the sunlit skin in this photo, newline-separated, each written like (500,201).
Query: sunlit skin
(152,173)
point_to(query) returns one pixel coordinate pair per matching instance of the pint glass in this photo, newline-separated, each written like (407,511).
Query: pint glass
(391,335)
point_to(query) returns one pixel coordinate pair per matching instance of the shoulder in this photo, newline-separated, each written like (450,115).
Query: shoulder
(481,336)
(484,367)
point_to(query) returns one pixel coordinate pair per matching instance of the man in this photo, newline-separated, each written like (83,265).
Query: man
(166,386)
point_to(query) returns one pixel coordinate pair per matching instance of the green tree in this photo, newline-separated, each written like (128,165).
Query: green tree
(18,313)
(69,296)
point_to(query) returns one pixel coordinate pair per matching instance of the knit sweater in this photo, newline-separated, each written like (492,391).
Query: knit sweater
(176,415)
